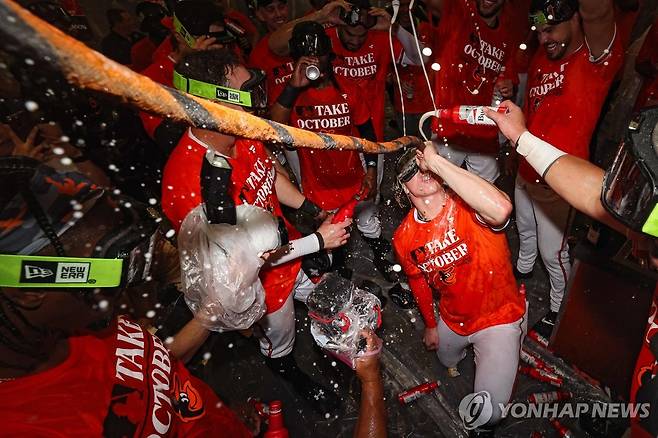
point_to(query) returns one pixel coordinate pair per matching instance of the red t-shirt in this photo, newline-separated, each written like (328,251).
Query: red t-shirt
(121,384)
(278,68)
(564,100)
(364,71)
(161,71)
(330,178)
(141,53)
(466,261)
(417,99)
(471,63)
(643,387)
(252,179)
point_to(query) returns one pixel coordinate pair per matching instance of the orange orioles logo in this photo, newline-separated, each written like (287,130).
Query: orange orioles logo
(187,401)
(448,276)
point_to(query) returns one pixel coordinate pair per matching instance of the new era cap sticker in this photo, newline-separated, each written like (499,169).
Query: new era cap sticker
(59,272)
(228,95)
(54,272)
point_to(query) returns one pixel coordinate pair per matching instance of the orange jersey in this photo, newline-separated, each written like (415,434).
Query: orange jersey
(466,261)
(565,97)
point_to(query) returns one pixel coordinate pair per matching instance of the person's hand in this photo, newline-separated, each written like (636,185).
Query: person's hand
(505,87)
(510,123)
(299,79)
(33,146)
(330,13)
(205,42)
(383,18)
(369,184)
(431,338)
(334,235)
(367,365)
(426,156)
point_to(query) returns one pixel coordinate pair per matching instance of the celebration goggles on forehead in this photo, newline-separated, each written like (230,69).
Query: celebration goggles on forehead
(406,166)
(357,16)
(553,12)
(629,191)
(252,94)
(124,257)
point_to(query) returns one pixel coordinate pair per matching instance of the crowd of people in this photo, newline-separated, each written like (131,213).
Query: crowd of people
(95,194)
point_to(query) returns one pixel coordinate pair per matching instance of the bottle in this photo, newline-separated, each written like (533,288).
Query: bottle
(276,429)
(542,376)
(417,392)
(347,210)
(469,114)
(549,397)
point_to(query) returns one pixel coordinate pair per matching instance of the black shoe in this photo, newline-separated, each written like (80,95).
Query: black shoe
(546,325)
(380,249)
(322,399)
(521,275)
(402,297)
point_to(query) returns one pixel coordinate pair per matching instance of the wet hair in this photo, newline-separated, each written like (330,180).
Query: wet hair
(212,66)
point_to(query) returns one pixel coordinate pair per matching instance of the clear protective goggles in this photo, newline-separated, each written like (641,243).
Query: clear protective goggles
(629,191)
(252,94)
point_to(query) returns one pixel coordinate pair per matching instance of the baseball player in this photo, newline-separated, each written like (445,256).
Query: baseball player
(452,241)
(331,179)
(568,81)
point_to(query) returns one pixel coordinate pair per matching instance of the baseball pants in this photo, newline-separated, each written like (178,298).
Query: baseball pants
(277,329)
(483,165)
(543,219)
(496,349)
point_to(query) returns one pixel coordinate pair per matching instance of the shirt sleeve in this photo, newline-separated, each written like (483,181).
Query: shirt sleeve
(424,299)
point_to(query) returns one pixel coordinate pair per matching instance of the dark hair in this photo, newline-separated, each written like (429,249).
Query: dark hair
(309,39)
(148,9)
(363,4)
(198,15)
(212,66)
(115,16)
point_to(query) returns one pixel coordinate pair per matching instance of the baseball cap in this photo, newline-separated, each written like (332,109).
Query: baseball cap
(551,11)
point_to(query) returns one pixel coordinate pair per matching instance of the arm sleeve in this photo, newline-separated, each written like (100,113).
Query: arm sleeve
(423,295)
(295,249)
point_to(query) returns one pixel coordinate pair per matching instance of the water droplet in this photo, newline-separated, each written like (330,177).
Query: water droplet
(427,51)
(207,355)
(31,106)
(169,234)
(436,66)
(66,161)
(103,304)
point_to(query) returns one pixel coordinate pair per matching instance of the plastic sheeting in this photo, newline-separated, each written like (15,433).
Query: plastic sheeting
(220,265)
(340,312)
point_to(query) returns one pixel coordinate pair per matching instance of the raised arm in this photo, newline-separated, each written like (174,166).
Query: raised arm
(577,181)
(372,412)
(598,19)
(491,204)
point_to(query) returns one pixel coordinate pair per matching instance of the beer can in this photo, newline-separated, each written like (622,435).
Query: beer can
(542,376)
(312,72)
(549,397)
(561,429)
(416,392)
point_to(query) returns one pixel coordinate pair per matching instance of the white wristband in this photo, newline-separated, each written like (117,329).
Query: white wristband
(538,153)
(296,248)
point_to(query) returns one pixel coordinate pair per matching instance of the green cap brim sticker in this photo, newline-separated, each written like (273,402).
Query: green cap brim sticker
(651,225)
(212,91)
(538,19)
(180,29)
(59,272)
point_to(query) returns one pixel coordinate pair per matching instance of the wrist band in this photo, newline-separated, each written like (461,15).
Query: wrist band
(310,208)
(538,153)
(288,96)
(320,239)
